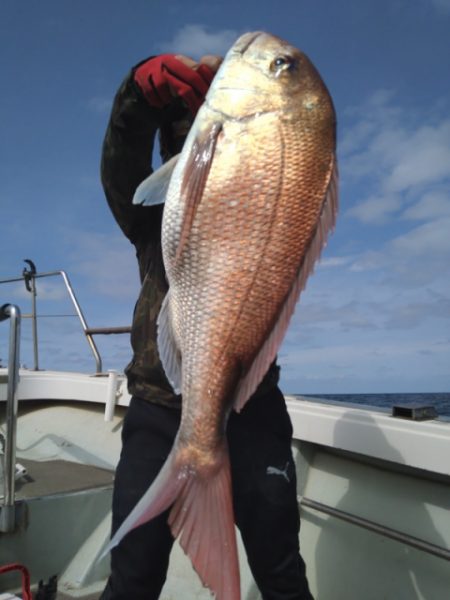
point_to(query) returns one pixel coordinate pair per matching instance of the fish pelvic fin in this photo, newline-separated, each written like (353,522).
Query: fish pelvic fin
(201,518)
(153,189)
(326,223)
(195,177)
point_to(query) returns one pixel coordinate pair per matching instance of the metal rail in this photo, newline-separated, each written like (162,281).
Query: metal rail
(7,512)
(29,277)
(388,532)
(8,516)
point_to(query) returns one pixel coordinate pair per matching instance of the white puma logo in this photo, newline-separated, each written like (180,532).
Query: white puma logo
(275,471)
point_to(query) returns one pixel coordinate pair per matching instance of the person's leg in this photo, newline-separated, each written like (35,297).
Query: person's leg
(265,496)
(139,563)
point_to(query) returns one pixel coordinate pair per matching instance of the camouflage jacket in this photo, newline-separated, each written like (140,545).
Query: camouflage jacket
(126,161)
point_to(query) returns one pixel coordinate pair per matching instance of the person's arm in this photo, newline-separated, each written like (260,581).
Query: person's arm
(156,94)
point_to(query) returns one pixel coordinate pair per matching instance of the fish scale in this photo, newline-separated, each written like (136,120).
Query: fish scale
(237,242)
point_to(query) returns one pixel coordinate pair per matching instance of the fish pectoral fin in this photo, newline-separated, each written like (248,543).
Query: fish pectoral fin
(196,173)
(267,353)
(153,189)
(167,346)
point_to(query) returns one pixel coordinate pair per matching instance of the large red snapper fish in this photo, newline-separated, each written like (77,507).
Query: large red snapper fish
(248,205)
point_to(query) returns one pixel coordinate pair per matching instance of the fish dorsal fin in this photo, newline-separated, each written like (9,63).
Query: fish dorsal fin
(196,173)
(153,189)
(169,352)
(251,379)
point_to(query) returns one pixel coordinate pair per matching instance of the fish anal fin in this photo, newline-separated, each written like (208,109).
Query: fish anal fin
(202,519)
(196,173)
(260,365)
(159,496)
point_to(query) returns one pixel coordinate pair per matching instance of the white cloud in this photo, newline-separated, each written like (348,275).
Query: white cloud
(399,161)
(108,263)
(419,157)
(196,40)
(412,314)
(368,261)
(334,261)
(425,242)
(418,257)
(397,156)
(51,288)
(431,205)
(376,209)
(366,119)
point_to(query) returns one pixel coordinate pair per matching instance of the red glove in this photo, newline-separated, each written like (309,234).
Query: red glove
(165,77)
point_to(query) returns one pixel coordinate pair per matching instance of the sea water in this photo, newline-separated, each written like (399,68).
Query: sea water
(440,401)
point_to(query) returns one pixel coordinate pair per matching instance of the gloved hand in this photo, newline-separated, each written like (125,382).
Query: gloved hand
(168,76)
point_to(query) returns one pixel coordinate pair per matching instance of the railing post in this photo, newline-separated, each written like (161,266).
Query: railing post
(7,512)
(34,325)
(98,360)
(29,276)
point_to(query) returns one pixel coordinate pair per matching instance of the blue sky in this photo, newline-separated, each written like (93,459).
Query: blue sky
(375,316)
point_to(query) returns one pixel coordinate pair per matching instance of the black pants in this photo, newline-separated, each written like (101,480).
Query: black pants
(264,495)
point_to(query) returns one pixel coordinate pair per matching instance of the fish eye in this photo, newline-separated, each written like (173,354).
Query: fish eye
(282,63)
(281,60)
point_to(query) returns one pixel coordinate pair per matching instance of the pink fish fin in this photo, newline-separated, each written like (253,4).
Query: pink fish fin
(159,496)
(250,381)
(167,346)
(202,519)
(196,173)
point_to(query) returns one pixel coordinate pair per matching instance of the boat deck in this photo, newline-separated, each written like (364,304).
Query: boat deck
(50,477)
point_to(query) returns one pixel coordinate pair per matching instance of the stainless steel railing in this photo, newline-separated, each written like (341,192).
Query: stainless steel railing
(8,515)
(7,510)
(29,276)
(383,530)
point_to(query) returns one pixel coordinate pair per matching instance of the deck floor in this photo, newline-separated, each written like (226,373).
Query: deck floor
(59,477)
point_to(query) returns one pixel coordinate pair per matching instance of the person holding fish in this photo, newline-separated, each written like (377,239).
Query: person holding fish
(207,436)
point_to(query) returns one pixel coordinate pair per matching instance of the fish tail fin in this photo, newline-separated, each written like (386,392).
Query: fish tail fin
(201,517)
